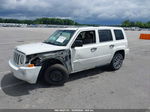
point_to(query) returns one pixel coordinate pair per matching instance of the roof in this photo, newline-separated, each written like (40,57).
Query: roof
(91,28)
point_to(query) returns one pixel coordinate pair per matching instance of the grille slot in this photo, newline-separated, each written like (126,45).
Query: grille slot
(18,58)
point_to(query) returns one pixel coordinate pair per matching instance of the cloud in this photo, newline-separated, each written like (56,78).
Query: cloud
(85,11)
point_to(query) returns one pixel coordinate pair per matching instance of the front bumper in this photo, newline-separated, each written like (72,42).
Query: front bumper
(28,74)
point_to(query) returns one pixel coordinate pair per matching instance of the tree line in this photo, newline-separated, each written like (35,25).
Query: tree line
(140,24)
(58,21)
(49,21)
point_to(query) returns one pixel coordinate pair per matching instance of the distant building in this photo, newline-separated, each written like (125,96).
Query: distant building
(12,25)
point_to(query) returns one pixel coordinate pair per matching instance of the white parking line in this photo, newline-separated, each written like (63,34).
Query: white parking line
(8,43)
(11,85)
(36,40)
(5,72)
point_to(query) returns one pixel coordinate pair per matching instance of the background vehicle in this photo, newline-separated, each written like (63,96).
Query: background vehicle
(69,51)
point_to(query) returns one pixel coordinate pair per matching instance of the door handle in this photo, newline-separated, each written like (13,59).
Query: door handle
(112,46)
(93,49)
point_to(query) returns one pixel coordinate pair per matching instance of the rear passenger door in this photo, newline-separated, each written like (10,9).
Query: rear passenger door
(105,46)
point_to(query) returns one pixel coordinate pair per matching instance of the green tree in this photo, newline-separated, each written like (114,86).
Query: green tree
(139,24)
(126,23)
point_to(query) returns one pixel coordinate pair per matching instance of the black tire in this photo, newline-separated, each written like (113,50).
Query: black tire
(117,61)
(56,74)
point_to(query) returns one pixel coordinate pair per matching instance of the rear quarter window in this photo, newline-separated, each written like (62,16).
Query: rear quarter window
(105,35)
(119,34)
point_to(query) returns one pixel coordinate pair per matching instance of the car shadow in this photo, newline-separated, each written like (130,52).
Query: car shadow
(14,87)
(89,73)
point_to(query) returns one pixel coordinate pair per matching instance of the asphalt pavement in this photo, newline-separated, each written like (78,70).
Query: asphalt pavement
(99,88)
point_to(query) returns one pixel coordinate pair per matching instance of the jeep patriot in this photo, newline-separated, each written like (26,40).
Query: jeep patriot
(67,51)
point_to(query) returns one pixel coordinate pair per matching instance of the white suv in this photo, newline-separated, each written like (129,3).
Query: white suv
(68,51)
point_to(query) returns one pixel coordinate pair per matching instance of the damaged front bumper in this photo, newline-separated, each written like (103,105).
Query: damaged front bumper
(28,74)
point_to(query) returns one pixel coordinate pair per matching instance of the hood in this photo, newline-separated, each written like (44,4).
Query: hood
(36,48)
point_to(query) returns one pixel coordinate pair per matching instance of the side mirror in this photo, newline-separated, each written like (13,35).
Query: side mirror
(77,43)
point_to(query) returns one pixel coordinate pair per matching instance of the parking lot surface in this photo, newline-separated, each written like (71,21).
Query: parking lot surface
(99,88)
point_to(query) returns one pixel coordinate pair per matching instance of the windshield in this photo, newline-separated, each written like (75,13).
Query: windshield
(60,37)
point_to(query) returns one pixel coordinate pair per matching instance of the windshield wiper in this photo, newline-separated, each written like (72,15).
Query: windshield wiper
(49,43)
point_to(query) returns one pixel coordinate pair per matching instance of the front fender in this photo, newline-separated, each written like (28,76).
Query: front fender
(62,56)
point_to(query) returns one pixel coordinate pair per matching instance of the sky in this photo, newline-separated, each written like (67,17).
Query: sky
(82,11)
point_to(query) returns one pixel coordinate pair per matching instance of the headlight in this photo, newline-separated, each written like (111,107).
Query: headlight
(29,58)
(36,61)
(33,59)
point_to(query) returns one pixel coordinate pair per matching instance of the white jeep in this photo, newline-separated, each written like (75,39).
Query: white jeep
(69,51)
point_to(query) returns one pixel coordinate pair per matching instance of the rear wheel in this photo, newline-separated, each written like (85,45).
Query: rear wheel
(56,74)
(117,61)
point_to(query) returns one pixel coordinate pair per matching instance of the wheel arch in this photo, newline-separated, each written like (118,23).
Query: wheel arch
(121,51)
(48,62)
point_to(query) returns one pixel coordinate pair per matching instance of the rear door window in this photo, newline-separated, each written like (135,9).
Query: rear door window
(119,34)
(105,35)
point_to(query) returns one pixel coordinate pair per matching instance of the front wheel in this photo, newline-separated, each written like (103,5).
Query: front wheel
(56,74)
(117,61)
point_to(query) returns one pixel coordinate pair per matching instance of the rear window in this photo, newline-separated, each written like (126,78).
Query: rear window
(105,35)
(119,35)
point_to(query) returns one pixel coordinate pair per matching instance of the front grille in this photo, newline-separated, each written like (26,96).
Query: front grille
(19,58)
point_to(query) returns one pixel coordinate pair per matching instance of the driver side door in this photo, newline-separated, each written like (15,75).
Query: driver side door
(85,57)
